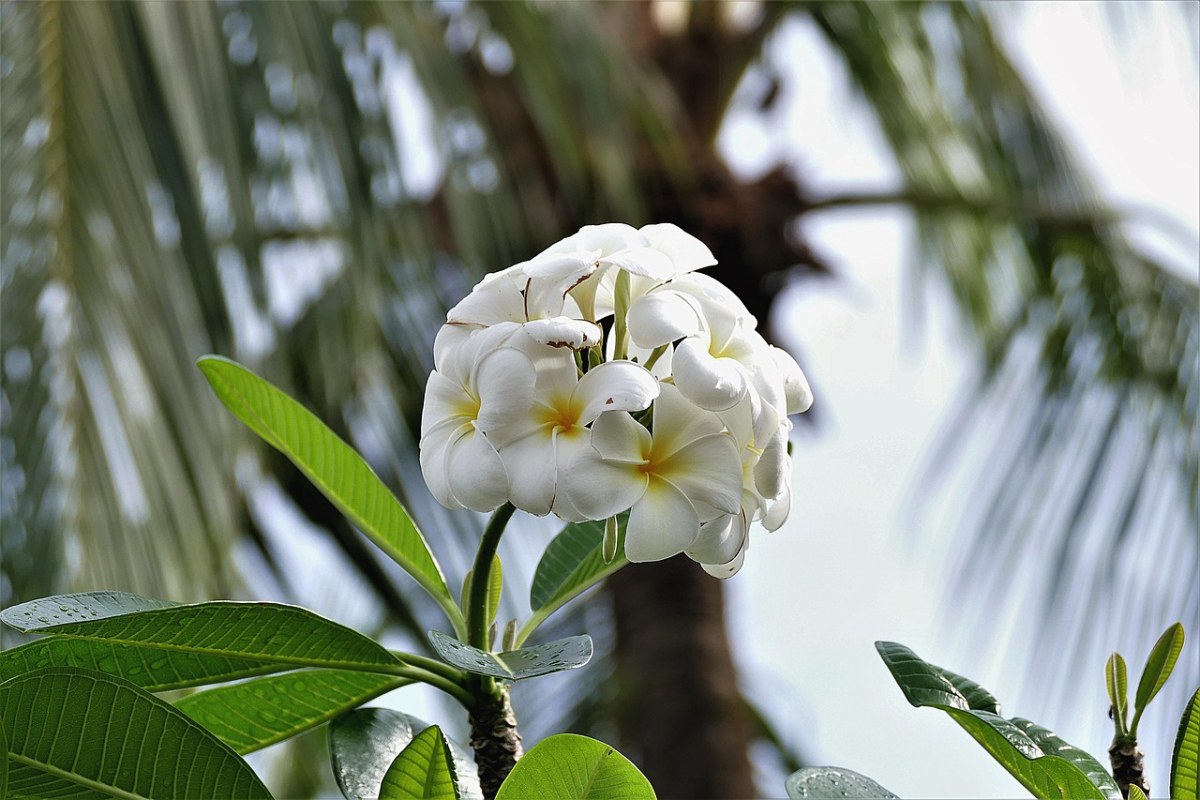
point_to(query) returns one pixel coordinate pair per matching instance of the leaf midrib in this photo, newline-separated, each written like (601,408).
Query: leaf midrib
(75,777)
(384,668)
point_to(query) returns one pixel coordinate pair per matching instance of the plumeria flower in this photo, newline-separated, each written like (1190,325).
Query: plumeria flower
(685,473)
(539,444)
(650,255)
(460,466)
(534,295)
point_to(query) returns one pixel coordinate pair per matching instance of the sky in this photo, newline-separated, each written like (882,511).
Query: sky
(846,570)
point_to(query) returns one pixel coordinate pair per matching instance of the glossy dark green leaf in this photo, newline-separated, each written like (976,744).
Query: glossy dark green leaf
(73,733)
(424,770)
(572,563)
(252,715)
(3,761)
(365,742)
(827,782)
(1185,759)
(514,665)
(1116,680)
(1158,668)
(570,766)
(977,697)
(333,466)
(261,631)
(151,668)
(1044,764)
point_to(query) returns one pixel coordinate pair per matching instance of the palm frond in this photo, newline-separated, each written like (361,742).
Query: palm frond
(1089,345)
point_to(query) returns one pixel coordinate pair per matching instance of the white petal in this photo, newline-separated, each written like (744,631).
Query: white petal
(618,437)
(568,445)
(499,300)
(777,514)
(598,489)
(564,332)
(607,238)
(449,339)
(445,400)
(551,277)
(530,466)
(475,472)
(715,295)
(712,383)
(686,252)
(773,467)
(663,317)
(725,571)
(615,386)
(709,470)
(719,541)
(678,421)
(435,449)
(504,379)
(795,386)
(644,261)
(661,524)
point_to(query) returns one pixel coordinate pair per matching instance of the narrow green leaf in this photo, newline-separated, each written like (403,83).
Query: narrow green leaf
(1185,759)
(424,770)
(150,668)
(612,539)
(333,466)
(261,631)
(77,733)
(514,665)
(1158,668)
(252,715)
(1117,680)
(495,589)
(825,782)
(1044,764)
(568,765)
(365,742)
(573,562)
(1136,793)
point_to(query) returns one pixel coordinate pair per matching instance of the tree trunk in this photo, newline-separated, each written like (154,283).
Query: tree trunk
(680,715)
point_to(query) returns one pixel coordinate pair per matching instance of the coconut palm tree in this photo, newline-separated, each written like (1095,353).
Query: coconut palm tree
(307,187)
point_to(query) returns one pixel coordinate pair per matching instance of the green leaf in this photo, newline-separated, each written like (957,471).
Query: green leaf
(424,769)
(3,761)
(333,466)
(262,631)
(1117,681)
(77,733)
(514,665)
(365,742)
(249,716)
(571,766)
(1158,668)
(1044,764)
(1185,759)
(573,562)
(150,668)
(833,782)
(977,697)
(1136,793)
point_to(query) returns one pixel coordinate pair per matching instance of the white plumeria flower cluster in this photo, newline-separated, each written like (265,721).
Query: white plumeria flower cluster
(606,375)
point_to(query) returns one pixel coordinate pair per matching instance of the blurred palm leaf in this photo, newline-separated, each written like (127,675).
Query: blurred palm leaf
(1082,427)
(307,187)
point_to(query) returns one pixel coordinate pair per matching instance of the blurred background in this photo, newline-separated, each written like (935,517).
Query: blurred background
(976,226)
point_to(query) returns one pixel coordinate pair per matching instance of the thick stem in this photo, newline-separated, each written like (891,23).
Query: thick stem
(476,610)
(1128,767)
(494,738)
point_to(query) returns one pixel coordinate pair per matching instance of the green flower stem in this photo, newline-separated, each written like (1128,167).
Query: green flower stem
(476,610)
(621,302)
(431,665)
(452,688)
(655,355)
